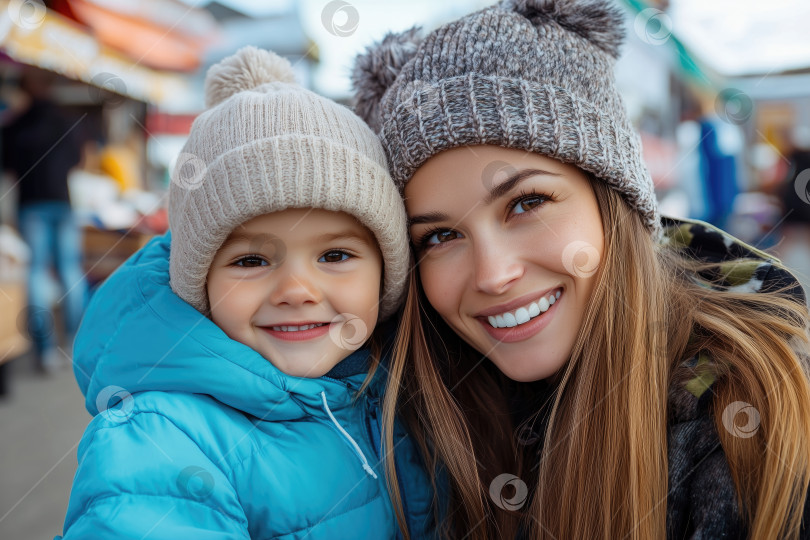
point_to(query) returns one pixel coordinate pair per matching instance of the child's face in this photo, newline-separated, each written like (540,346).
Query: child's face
(281,281)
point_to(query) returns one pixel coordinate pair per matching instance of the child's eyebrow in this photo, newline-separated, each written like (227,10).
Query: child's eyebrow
(238,237)
(348,234)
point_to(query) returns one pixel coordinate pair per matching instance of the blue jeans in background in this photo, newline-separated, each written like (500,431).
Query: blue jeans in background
(51,231)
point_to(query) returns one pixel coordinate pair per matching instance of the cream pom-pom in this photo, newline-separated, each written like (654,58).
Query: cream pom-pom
(247,69)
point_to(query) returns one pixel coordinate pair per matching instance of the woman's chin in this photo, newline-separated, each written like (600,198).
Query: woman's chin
(519,368)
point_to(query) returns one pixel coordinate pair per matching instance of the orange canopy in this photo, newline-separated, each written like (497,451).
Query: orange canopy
(161,34)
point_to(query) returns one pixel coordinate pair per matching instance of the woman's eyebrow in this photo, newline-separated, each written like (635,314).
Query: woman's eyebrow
(494,193)
(430,217)
(506,186)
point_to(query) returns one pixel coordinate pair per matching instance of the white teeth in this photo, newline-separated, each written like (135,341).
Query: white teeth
(295,328)
(510,320)
(524,314)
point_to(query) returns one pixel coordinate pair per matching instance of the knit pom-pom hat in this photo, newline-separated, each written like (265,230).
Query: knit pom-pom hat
(266,144)
(535,75)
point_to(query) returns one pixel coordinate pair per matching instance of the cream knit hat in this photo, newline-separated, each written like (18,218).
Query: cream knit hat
(266,144)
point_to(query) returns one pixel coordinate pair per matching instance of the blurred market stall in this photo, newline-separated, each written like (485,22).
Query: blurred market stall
(106,67)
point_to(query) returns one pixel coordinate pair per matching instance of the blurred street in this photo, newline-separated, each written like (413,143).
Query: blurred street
(41,422)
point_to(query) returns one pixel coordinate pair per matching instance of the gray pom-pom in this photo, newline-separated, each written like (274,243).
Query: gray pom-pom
(599,21)
(248,68)
(377,68)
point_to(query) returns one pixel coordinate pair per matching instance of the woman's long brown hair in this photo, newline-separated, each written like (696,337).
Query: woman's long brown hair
(602,469)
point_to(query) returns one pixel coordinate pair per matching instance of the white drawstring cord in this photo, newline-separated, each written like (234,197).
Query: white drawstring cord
(360,454)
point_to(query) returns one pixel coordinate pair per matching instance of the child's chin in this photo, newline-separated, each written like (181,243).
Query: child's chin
(294,369)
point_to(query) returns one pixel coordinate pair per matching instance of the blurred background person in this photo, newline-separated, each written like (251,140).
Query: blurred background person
(794,194)
(41,144)
(721,143)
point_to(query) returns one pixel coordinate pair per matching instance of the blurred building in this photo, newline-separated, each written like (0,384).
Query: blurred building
(708,80)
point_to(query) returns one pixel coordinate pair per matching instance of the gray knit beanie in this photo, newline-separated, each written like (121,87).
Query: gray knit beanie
(535,75)
(266,144)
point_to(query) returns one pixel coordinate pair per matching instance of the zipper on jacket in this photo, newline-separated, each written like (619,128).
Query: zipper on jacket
(357,450)
(373,427)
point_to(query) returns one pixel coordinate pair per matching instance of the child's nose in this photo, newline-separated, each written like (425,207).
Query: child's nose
(294,287)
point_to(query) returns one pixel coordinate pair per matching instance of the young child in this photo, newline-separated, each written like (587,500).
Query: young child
(230,364)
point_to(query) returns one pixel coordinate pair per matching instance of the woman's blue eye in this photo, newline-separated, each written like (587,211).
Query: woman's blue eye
(334,256)
(440,237)
(250,262)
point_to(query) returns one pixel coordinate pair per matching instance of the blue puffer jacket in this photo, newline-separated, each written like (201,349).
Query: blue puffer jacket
(205,439)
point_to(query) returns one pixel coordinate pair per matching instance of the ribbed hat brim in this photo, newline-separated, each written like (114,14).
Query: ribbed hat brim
(522,114)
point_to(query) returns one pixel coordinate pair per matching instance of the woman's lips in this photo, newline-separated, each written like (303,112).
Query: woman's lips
(516,303)
(526,330)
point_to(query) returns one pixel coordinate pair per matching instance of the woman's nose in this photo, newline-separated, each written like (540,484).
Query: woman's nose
(496,266)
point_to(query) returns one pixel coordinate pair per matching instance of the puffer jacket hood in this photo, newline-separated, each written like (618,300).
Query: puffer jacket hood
(759,272)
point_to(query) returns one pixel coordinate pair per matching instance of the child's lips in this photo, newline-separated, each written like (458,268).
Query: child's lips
(297,331)
(293,324)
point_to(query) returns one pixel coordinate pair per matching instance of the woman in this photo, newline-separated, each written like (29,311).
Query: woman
(623,374)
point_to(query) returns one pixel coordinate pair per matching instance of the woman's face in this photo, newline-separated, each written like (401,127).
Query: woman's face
(508,246)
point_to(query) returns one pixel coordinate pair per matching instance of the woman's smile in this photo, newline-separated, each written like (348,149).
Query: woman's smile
(505,316)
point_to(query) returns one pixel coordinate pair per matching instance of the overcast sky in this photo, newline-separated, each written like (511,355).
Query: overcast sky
(734,37)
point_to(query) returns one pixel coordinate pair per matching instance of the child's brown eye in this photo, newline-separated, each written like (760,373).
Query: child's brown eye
(334,256)
(250,262)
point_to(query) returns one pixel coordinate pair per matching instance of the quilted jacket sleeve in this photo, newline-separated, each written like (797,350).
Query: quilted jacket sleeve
(140,475)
